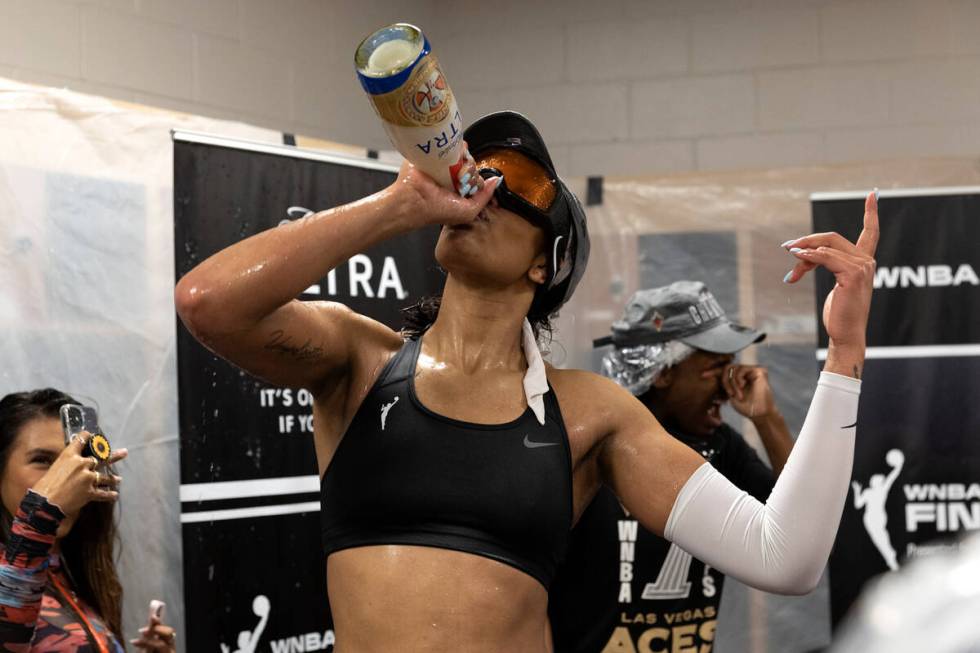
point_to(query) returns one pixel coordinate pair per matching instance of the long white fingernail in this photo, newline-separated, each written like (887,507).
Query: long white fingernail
(876,194)
(787,277)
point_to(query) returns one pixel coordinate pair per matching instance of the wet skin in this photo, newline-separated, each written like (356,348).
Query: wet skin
(415,599)
(429,599)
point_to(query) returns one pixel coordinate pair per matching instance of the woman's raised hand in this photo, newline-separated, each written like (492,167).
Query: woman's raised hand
(845,312)
(71,481)
(429,203)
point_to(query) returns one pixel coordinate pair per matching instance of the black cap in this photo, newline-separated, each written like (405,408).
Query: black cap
(569,235)
(511,130)
(685,311)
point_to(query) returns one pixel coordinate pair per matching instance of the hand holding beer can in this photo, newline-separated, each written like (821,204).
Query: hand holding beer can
(410,94)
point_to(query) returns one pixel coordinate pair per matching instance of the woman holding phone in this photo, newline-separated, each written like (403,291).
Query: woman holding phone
(59,590)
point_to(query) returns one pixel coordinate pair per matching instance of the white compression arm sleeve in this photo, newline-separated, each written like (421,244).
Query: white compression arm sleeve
(780,546)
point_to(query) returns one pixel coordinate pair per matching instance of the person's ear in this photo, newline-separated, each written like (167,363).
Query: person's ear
(538,272)
(664,379)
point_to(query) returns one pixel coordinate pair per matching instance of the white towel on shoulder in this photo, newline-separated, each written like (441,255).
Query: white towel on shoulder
(536,378)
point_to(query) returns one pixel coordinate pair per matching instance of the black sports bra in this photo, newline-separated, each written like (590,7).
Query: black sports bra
(403,474)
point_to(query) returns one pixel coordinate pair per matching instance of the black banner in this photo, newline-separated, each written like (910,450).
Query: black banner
(254,573)
(916,481)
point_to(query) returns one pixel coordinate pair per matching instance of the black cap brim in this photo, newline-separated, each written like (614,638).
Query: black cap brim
(725,338)
(566,217)
(508,129)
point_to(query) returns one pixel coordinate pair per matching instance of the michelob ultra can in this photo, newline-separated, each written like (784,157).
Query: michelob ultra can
(409,92)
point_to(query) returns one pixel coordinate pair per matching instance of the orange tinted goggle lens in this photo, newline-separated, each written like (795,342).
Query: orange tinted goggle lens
(524,176)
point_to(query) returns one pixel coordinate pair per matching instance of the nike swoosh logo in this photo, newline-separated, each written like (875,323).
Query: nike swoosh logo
(850,426)
(534,445)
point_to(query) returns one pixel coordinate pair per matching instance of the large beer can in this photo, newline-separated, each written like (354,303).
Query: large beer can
(396,67)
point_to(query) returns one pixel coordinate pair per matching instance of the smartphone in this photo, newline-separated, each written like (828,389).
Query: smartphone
(76,418)
(157,608)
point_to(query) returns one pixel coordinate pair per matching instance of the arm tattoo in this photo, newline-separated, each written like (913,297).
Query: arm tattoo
(283,344)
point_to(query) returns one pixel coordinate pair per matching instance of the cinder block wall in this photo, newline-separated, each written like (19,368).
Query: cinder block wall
(635,86)
(618,86)
(282,64)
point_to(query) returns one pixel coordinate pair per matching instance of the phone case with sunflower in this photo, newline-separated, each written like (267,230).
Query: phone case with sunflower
(76,418)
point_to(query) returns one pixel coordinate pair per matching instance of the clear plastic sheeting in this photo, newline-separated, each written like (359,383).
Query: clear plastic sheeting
(725,229)
(86,296)
(931,605)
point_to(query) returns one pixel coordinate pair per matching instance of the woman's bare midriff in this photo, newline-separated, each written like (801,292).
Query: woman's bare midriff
(415,599)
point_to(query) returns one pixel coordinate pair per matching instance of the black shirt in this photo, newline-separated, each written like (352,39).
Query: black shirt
(623,588)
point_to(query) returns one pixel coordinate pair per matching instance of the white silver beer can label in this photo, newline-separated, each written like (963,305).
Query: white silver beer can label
(414,102)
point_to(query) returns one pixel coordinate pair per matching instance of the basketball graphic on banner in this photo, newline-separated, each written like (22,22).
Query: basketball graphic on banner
(872,500)
(914,489)
(895,458)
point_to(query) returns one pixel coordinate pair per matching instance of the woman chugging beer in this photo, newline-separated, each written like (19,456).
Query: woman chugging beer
(455,462)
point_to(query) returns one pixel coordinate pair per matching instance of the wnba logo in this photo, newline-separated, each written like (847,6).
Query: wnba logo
(872,500)
(428,101)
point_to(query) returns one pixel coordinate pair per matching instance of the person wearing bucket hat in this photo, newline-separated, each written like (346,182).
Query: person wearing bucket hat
(453,460)
(673,348)
(685,311)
